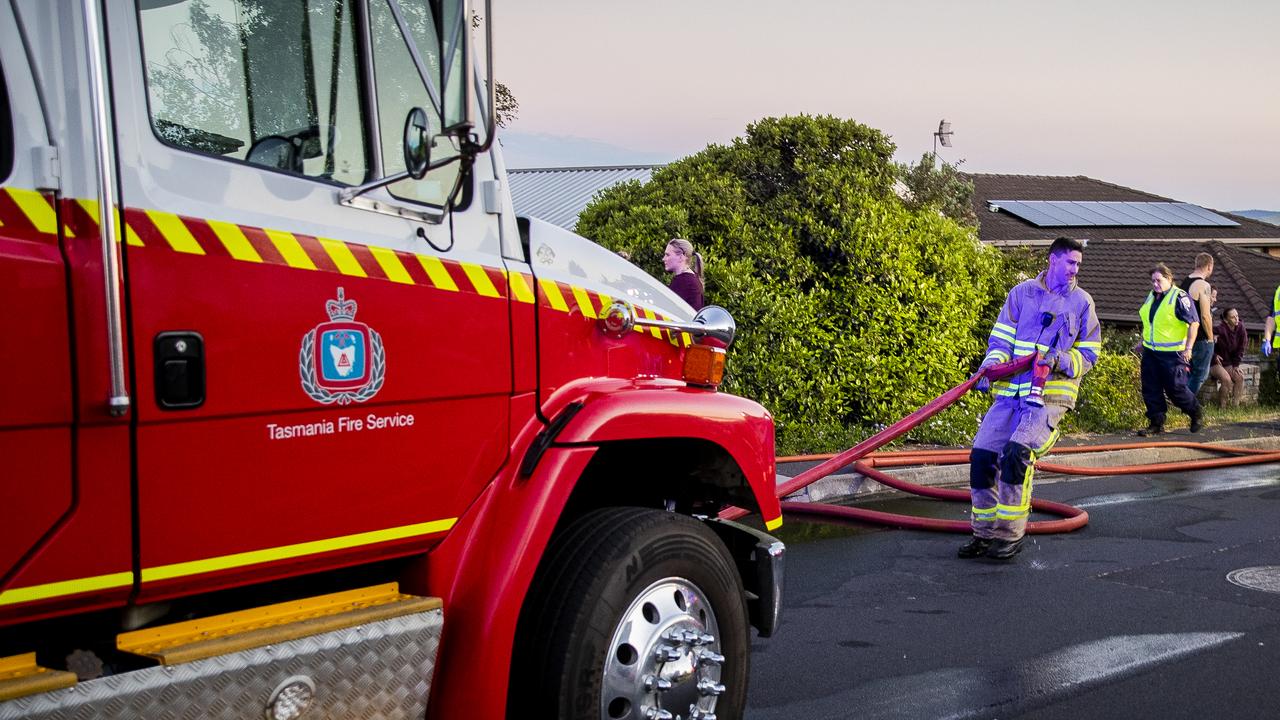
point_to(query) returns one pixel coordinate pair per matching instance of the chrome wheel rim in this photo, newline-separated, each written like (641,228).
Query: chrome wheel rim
(663,661)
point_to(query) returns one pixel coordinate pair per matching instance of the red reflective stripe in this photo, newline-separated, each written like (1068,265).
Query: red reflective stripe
(208,239)
(16,224)
(368,262)
(498,277)
(459,276)
(314,250)
(78,219)
(147,231)
(413,266)
(260,242)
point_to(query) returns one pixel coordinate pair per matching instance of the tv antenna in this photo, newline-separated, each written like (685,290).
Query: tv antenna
(943,135)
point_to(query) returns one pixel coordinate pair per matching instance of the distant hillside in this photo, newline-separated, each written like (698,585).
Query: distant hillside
(1267,216)
(543,150)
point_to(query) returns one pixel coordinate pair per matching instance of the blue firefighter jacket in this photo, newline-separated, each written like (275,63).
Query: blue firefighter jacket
(1035,318)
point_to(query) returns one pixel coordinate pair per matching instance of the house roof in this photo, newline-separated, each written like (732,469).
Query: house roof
(558,195)
(1117,273)
(1002,228)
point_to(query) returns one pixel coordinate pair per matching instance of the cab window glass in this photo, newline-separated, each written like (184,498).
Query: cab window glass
(400,88)
(6,130)
(270,82)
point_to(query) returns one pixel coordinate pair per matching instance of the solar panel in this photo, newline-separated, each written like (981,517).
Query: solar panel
(1090,213)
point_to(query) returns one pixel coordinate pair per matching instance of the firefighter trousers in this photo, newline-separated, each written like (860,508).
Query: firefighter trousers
(1012,436)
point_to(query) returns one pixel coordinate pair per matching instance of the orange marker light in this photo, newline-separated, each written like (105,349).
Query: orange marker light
(704,366)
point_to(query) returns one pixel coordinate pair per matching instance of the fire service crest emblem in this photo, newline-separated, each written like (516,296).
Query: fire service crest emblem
(342,361)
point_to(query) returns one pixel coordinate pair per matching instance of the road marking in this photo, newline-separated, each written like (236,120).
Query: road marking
(958,693)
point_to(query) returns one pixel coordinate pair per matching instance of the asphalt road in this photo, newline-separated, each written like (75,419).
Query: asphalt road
(1130,617)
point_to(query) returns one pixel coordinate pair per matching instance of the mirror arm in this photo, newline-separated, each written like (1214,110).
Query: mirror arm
(350,193)
(355,191)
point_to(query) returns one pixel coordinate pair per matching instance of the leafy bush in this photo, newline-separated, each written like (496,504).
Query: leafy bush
(1268,382)
(852,308)
(1110,396)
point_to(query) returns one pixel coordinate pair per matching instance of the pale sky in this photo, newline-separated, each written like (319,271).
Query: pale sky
(1176,97)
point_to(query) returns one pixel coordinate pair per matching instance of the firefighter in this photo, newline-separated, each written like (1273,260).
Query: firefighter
(1169,326)
(1053,316)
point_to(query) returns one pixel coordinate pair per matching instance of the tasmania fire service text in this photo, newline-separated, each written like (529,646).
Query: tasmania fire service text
(343,424)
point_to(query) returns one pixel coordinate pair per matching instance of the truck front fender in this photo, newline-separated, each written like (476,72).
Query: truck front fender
(615,411)
(483,569)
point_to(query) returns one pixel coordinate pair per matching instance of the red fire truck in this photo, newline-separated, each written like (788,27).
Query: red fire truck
(303,420)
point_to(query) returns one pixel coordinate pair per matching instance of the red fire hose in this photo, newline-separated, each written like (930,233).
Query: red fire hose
(864,461)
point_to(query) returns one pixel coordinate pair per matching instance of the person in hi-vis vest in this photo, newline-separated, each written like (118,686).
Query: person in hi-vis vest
(1169,326)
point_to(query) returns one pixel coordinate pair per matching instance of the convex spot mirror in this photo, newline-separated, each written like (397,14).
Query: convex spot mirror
(417,143)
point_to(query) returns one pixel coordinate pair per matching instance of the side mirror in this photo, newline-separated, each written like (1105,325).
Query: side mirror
(417,143)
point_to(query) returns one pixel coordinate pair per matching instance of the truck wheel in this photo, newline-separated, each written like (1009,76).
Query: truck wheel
(635,613)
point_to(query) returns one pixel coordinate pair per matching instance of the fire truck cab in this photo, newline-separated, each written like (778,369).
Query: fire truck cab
(304,420)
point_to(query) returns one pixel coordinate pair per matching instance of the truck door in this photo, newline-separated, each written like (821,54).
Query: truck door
(64,482)
(322,382)
(35,421)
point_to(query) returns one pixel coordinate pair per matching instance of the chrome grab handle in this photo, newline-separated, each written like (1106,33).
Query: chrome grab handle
(712,322)
(118,402)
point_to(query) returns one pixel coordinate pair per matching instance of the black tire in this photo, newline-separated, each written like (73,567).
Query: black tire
(598,569)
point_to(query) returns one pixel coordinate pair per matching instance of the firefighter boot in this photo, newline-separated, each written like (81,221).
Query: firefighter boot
(1151,430)
(1004,549)
(1197,420)
(976,547)
(983,469)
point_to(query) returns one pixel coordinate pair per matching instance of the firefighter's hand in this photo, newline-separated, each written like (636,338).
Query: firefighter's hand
(1266,348)
(984,383)
(1057,361)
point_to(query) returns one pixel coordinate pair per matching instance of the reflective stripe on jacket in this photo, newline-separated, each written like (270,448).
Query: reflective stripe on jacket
(1169,332)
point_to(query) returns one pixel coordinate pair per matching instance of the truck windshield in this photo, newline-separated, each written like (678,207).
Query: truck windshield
(270,82)
(277,83)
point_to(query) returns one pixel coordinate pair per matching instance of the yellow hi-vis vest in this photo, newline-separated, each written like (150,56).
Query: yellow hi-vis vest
(1167,333)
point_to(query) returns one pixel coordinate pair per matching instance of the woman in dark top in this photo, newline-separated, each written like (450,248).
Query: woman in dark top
(1228,353)
(686,264)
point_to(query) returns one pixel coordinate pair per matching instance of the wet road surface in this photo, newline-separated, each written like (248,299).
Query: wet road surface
(1132,617)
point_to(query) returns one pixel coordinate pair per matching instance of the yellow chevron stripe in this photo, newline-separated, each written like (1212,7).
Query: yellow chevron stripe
(342,257)
(436,272)
(652,316)
(254,557)
(233,239)
(37,209)
(480,279)
(175,233)
(291,249)
(390,263)
(65,587)
(773,524)
(130,237)
(519,287)
(552,291)
(584,302)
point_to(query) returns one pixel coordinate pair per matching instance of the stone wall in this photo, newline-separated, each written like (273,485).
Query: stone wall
(1252,382)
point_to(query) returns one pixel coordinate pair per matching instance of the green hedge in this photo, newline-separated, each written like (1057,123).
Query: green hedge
(853,309)
(1110,397)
